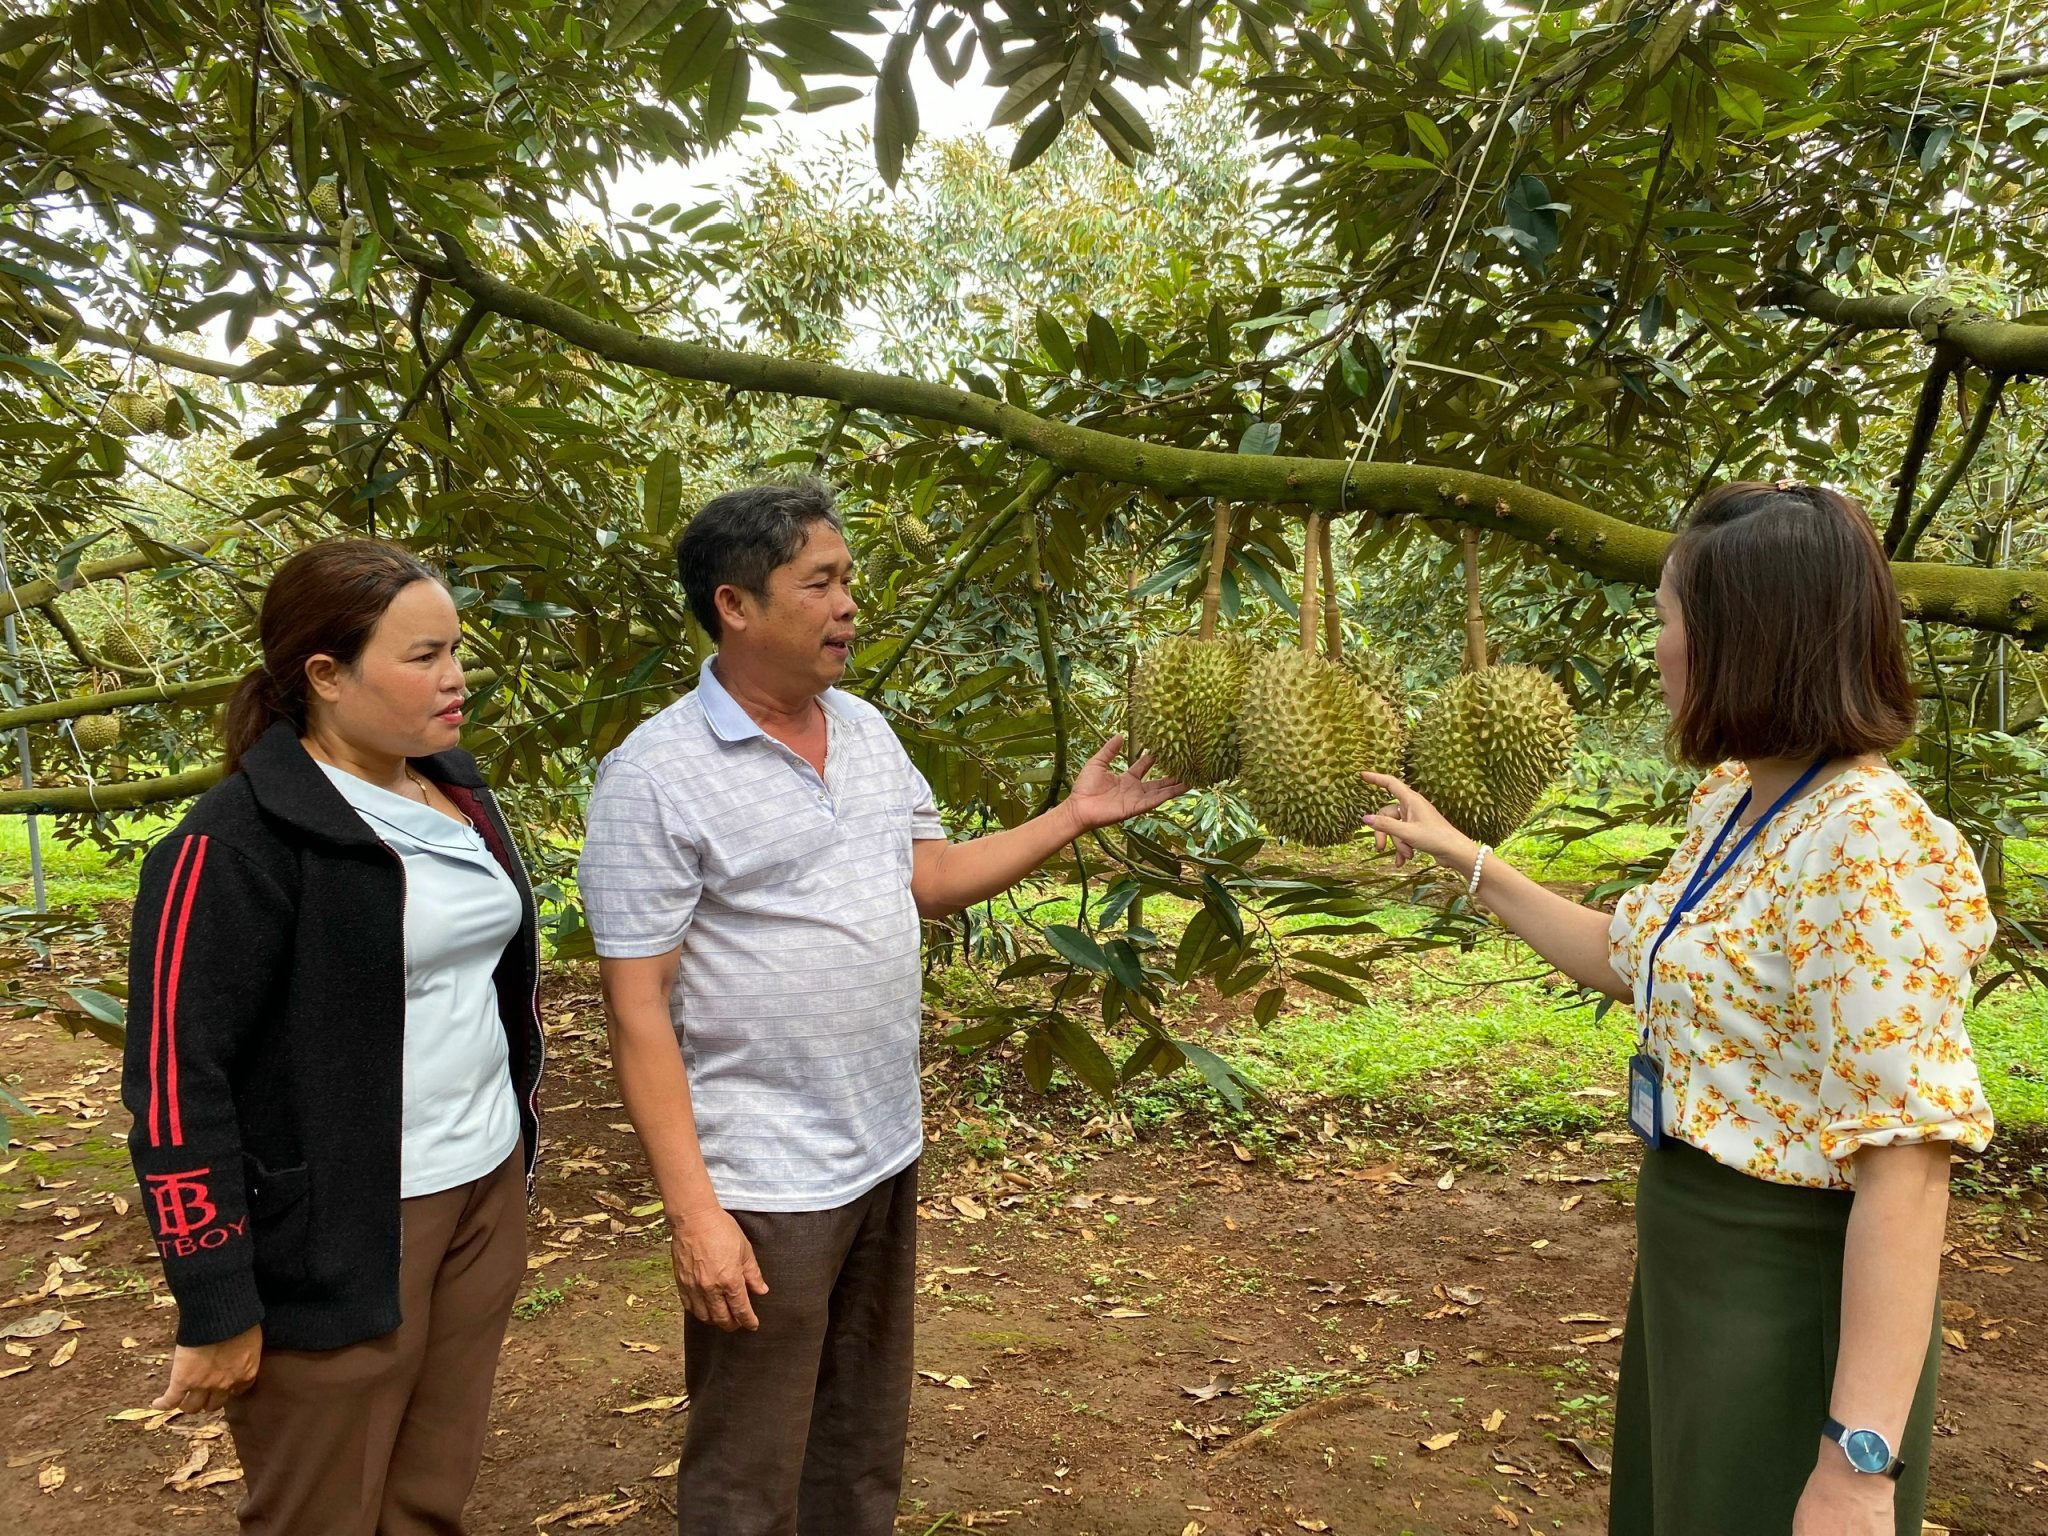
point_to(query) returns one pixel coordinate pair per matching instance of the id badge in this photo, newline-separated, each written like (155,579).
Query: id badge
(1646,1098)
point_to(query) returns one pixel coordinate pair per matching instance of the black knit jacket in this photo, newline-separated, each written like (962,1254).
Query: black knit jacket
(266,1040)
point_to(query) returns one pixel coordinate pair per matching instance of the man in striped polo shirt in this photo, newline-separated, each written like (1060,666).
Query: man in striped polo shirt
(757,859)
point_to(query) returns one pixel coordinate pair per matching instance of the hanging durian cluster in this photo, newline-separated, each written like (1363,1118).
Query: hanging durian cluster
(117,643)
(1488,746)
(131,413)
(1294,729)
(1297,730)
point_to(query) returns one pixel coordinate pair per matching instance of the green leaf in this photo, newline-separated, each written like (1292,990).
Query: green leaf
(727,103)
(635,19)
(896,123)
(1079,1050)
(1037,138)
(970,1036)
(661,493)
(1219,1074)
(1037,1062)
(1427,131)
(109,1020)
(1261,437)
(1267,1008)
(1058,345)
(1077,947)
(1220,904)
(693,53)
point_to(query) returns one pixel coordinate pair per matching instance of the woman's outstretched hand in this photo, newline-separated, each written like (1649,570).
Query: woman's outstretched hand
(1410,825)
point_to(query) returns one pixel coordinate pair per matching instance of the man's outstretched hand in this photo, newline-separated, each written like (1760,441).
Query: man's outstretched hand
(1103,797)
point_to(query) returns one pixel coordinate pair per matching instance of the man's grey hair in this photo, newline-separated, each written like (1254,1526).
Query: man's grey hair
(739,538)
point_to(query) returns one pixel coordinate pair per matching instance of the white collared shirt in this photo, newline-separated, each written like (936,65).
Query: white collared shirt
(461,1118)
(798,987)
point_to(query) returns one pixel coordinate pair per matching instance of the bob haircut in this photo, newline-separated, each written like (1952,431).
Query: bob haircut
(1795,645)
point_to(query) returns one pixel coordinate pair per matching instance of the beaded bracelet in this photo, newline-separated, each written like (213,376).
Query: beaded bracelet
(1478,866)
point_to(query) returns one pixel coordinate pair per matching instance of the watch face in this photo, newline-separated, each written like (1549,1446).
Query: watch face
(1867,1450)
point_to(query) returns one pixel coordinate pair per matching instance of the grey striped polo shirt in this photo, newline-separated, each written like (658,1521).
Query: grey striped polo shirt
(797,996)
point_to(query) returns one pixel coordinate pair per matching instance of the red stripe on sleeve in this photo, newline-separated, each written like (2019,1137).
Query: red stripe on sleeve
(171,998)
(156,996)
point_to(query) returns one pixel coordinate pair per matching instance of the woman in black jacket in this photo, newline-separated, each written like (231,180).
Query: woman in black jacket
(333,1047)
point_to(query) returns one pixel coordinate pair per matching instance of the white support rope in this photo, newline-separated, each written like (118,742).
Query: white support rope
(1376,422)
(1905,138)
(50,683)
(1977,139)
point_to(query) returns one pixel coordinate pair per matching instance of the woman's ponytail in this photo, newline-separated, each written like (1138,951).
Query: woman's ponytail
(323,601)
(252,709)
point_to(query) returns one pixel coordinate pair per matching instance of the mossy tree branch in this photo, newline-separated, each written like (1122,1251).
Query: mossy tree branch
(2005,602)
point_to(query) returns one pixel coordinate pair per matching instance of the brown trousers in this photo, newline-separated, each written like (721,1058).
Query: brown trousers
(384,1438)
(798,1429)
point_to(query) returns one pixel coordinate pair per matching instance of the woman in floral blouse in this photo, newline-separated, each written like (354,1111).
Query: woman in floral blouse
(1799,973)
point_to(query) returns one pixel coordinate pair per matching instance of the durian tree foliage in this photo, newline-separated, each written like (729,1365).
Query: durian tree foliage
(273,272)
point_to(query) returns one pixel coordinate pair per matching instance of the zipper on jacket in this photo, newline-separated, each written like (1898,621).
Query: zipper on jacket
(540,1039)
(404,1007)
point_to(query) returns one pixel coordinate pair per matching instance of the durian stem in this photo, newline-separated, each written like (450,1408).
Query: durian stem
(1310,547)
(1333,616)
(1475,614)
(1219,557)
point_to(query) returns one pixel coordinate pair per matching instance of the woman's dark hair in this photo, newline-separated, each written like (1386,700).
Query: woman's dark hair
(1794,642)
(323,601)
(737,539)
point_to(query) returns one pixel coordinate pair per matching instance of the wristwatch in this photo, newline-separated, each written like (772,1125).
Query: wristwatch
(1867,1450)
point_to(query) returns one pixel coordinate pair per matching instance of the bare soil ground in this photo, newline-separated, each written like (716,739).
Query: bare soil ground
(1114,1337)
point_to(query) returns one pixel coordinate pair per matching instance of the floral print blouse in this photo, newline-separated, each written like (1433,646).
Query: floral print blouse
(1812,1003)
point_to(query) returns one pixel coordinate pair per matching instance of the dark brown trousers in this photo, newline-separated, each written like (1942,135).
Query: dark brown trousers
(798,1429)
(383,1438)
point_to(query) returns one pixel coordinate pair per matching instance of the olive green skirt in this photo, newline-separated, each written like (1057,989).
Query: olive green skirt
(1729,1358)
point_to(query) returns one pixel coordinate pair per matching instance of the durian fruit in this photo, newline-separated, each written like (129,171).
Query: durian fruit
(914,538)
(1379,673)
(118,644)
(1306,733)
(1489,745)
(325,201)
(129,413)
(96,733)
(1184,699)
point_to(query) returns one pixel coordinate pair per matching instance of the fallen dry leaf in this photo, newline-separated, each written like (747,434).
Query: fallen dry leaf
(582,1506)
(1312,1525)
(1242,1153)
(1494,1420)
(640,1347)
(1571,1202)
(1585,1317)
(607,1517)
(1449,1178)
(193,1464)
(1440,1442)
(1605,1336)
(1507,1516)
(16,1370)
(970,1207)
(77,1232)
(666,1469)
(42,1324)
(1592,1455)
(64,1353)
(654,1405)
(50,1479)
(1954,1339)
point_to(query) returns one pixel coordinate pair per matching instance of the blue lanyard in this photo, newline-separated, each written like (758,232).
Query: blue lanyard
(1706,874)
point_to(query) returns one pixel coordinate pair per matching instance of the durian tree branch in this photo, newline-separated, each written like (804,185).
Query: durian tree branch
(258,370)
(1926,419)
(2007,602)
(46,590)
(1036,484)
(196,694)
(124,795)
(1980,423)
(1048,658)
(1997,346)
